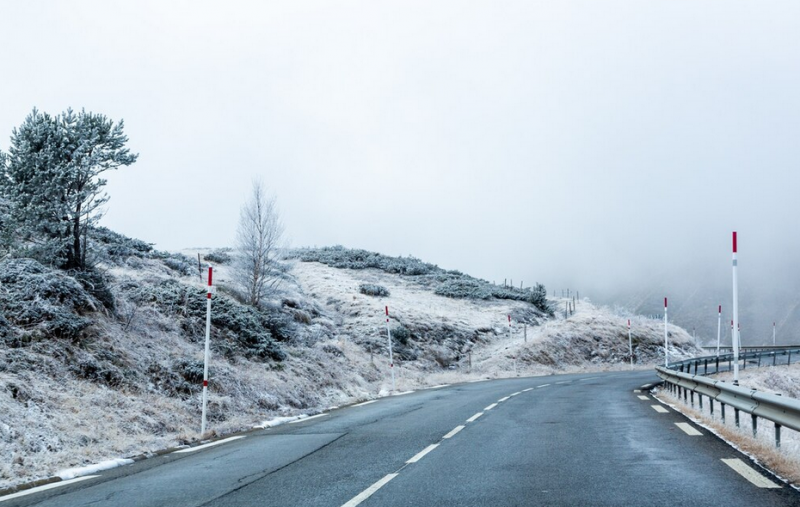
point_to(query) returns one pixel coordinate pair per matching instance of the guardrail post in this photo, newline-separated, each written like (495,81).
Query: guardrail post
(755,424)
(777,435)
(759,360)
(717,365)
(691,397)
(700,399)
(736,416)
(705,367)
(774,356)
(711,405)
(790,358)
(722,411)
(730,365)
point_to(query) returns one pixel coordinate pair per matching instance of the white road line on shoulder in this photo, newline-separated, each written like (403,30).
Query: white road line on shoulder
(46,487)
(439,386)
(528,389)
(543,385)
(369,491)
(659,409)
(472,419)
(688,429)
(490,407)
(646,386)
(478,380)
(365,403)
(643,398)
(637,390)
(453,432)
(402,394)
(501,400)
(421,454)
(304,419)
(748,473)
(206,446)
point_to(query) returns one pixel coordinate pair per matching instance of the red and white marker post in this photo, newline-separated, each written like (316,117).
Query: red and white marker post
(736,337)
(719,327)
(666,336)
(207,351)
(391,358)
(630,342)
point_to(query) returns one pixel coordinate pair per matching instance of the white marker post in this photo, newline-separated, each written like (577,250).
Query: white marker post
(666,338)
(207,349)
(735,338)
(391,358)
(630,342)
(719,327)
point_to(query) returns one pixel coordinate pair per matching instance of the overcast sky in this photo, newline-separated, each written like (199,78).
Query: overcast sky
(582,144)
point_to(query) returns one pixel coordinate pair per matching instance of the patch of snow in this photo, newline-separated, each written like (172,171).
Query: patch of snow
(72,473)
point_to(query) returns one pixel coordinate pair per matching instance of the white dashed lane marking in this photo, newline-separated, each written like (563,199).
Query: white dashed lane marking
(501,400)
(543,385)
(688,429)
(528,389)
(369,491)
(748,473)
(659,409)
(643,397)
(422,453)
(490,407)
(474,417)
(453,432)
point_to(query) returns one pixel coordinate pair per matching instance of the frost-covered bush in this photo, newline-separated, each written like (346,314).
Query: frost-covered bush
(249,328)
(401,334)
(114,247)
(463,288)
(97,285)
(370,289)
(220,256)
(43,302)
(179,263)
(344,258)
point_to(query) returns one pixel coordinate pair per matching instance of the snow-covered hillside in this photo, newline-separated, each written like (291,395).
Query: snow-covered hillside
(112,366)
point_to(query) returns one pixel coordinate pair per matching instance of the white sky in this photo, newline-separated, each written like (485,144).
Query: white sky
(574,143)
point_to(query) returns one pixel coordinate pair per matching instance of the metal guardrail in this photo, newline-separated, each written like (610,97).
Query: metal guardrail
(781,411)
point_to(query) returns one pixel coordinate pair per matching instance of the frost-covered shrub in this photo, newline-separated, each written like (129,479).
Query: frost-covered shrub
(42,302)
(220,256)
(344,258)
(370,289)
(463,288)
(96,284)
(250,328)
(114,247)
(401,334)
(179,263)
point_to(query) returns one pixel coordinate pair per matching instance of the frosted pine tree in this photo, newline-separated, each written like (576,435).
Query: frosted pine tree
(51,181)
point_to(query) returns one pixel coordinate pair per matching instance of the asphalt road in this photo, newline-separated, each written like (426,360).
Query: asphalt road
(585,439)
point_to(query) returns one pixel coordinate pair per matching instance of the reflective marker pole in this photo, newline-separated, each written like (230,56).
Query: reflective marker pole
(666,339)
(735,316)
(719,328)
(630,342)
(391,358)
(205,358)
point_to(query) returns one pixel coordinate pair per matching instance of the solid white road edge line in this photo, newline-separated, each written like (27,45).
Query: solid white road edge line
(688,429)
(369,491)
(472,419)
(659,409)
(45,487)
(748,473)
(304,419)
(453,432)
(439,386)
(490,407)
(365,403)
(422,453)
(206,446)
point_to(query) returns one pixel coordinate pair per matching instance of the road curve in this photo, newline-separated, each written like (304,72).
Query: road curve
(581,439)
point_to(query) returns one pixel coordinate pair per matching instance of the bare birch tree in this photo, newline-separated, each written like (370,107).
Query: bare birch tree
(258,238)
